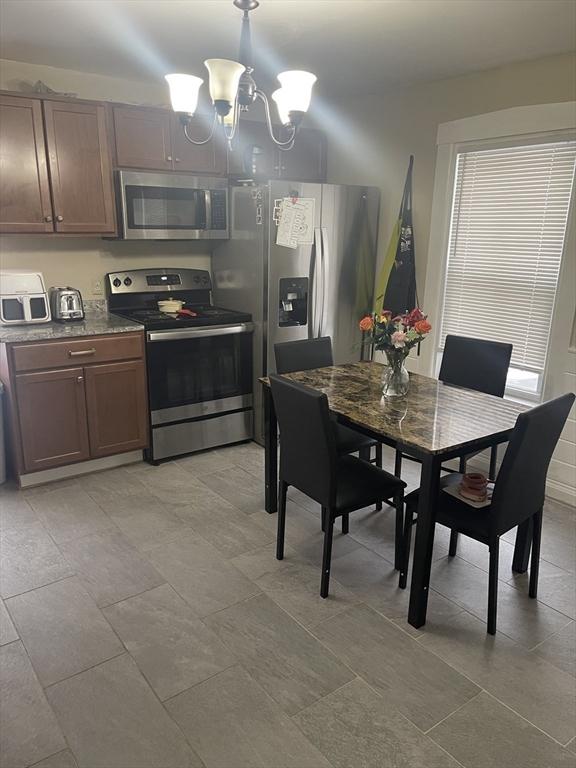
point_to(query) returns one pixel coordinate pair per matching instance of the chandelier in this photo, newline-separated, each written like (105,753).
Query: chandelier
(233,90)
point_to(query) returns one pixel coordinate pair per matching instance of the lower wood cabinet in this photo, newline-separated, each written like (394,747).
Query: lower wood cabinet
(65,414)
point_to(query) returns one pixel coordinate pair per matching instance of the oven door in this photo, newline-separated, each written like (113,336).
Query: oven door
(198,372)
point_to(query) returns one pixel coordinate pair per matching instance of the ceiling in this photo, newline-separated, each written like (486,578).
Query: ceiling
(352,45)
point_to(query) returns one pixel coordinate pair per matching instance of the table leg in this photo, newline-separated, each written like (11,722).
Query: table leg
(270,454)
(422,562)
(522,547)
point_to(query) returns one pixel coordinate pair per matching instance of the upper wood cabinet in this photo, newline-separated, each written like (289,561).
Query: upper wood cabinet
(80,168)
(306,161)
(153,139)
(25,204)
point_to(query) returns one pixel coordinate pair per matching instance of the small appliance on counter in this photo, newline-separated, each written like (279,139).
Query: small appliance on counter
(23,298)
(66,304)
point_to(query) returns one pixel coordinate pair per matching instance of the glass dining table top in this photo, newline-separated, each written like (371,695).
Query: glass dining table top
(432,418)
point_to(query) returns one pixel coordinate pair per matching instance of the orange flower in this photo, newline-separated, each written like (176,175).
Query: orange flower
(367,323)
(422,327)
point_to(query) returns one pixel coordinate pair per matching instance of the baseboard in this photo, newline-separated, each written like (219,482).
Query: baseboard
(75,470)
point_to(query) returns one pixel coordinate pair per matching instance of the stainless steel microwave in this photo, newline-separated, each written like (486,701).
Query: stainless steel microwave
(162,206)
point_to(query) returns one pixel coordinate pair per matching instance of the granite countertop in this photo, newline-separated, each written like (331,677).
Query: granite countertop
(95,324)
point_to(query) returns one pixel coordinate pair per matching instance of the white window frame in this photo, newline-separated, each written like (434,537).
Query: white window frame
(519,125)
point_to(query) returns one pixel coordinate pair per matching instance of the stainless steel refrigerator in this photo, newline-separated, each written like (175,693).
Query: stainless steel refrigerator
(320,288)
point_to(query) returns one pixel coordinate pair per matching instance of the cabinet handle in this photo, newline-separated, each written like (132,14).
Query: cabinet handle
(79,379)
(59,218)
(81,352)
(47,218)
(169,158)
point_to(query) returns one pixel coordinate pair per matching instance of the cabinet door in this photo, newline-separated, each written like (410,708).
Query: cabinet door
(117,409)
(25,204)
(306,161)
(206,158)
(80,167)
(143,138)
(52,415)
(242,160)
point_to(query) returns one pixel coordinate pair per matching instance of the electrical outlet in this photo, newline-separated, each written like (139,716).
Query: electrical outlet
(97,288)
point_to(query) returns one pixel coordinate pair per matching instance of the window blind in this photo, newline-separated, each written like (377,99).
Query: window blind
(507,231)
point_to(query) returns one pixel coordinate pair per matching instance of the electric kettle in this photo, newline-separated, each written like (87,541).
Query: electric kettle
(66,304)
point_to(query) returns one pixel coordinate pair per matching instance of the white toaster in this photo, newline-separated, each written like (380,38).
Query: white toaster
(23,298)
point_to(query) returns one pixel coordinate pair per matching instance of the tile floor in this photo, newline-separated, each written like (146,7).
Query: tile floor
(146,622)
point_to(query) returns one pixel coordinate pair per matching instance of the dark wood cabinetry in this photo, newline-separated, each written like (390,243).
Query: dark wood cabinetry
(80,168)
(55,167)
(61,415)
(153,139)
(306,161)
(25,204)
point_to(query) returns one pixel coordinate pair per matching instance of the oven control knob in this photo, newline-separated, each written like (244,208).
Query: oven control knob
(204,279)
(127,281)
(116,282)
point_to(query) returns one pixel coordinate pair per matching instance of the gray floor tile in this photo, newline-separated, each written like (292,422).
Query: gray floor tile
(63,759)
(145,521)
(14,509)
(110,568)
(173,649)
(417,683)
(112,719)
(572,745)
(29,729)
(486,734)
(201,575)
(518,678)
(7,629)
(109,487)
(63,630)
(29,559)
(171,484)
(248,456)
(558,541)
(526,621)
(228,529)
(560,649)
(556,587)
(69,513)
(238,487)
(206,462)
(262,561)
(232,723)
(290,664)
(355,727)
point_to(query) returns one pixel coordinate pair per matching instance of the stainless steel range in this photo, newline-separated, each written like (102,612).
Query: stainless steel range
(199,359)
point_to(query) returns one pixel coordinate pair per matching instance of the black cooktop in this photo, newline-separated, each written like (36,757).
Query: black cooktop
(203,315)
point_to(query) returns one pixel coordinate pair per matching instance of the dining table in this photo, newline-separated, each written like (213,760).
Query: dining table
(434,422)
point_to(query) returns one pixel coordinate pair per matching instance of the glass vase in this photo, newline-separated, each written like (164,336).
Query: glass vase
(395,378)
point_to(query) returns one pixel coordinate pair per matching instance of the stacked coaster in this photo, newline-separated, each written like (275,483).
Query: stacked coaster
(474,486)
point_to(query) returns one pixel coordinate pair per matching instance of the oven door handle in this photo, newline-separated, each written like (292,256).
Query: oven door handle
(199,333)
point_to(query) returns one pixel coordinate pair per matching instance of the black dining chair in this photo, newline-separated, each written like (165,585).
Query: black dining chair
(305,354)
(309,461)
(518,495)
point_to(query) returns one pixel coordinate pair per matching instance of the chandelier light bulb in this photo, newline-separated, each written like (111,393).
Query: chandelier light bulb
(184,90)
(224,79)
(281,97)
(297,89)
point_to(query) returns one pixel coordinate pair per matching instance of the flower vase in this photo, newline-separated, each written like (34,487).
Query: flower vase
(395,378)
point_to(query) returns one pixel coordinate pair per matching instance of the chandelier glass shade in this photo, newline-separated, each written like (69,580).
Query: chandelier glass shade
(233,89)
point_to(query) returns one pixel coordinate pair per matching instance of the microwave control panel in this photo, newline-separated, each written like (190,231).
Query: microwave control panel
(218,198)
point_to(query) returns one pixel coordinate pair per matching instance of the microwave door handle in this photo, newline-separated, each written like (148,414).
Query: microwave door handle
(208,208)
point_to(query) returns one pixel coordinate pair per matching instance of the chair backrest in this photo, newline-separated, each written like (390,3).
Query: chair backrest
(303,355)
(521,484)
(475,364)
(307,439)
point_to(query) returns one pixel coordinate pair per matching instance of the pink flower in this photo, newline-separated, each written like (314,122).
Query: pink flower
(398,339)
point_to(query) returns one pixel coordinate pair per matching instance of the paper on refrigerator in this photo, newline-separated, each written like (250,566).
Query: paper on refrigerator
(295,222)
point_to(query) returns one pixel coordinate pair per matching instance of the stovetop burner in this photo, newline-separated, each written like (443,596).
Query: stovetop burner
(153,319)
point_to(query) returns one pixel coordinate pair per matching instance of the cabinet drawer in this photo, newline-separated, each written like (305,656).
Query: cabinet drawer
(84,350)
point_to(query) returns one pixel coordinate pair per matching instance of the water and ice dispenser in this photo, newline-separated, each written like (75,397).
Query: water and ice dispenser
(293,304)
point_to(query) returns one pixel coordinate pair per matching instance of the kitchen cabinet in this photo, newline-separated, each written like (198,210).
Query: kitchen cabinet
(306,161)
(74,400)
(55,167)
(80,167)
(153,139)
(52,418)
(25,203)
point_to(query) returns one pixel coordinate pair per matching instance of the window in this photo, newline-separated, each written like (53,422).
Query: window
(508,222)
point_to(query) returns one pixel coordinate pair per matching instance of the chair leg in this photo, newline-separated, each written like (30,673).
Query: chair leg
(345,523)
(323,519)
(327,556)
(282,489)
(535,561)
(493,586)
(408,522)
(453,542)
(462,465)
(398,464)
(379,464)
(493,463)
(398,532)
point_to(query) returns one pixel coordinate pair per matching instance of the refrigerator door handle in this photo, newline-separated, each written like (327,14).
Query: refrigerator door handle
(315,285)
(325,267)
